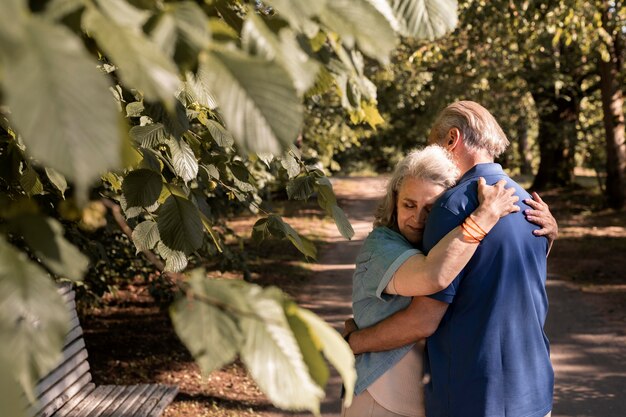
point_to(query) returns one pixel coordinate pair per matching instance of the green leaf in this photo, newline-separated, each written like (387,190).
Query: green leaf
(242,178)
(148,136)
(300,13)
(211,335)
(335,349)
(342,222)
(142,187)
(195,91)
(179,224)
(274,225)
(290,164)
(257,99)
(220,135)
(33,318)
(301,188)
(71,124)
(175,261)
(183,159)
(422,19)
(141,63)
(359,22)
(57,179)
(258,39)
(57,9)
(272,355)
(124,14)
(134,109)
(10,393)
(308,344)
(191,22)
(30,182)
(325,194)
(146,236)
(44,236)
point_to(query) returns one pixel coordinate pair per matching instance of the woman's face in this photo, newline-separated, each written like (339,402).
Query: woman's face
(415,199)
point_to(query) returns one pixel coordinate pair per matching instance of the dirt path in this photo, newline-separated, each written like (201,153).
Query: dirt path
(588,338)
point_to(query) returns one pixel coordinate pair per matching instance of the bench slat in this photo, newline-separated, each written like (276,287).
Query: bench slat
(124,399)
(60,371)
(90,402)
(160,399)
(111,400)
(62,397)
(133,402)
(75,400)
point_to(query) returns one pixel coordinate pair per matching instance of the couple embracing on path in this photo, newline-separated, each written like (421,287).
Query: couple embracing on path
(457,256)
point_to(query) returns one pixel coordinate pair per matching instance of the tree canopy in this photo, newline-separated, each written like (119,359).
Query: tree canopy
(179,112)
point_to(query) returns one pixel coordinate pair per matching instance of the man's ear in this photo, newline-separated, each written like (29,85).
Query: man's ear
(453,138)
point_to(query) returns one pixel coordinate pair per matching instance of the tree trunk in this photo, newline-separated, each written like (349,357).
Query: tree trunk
(523,146)
(612,106)
(557,137)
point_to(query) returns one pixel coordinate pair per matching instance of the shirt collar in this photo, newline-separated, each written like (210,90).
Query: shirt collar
(482,170)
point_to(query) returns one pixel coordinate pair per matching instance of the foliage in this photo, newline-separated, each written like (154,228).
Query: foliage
(181,112)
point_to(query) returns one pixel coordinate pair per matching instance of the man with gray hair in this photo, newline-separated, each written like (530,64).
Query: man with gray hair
(489,357)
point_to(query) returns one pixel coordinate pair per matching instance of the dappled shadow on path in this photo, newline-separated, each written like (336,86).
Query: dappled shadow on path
(589,355)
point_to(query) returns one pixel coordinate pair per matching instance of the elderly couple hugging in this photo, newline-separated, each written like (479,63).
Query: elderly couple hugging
(457,256)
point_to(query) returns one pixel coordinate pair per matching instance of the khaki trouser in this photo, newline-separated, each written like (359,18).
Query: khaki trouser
(364,405)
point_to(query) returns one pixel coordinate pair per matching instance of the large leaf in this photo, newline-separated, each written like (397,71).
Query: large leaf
(335,349)
(179,224)
(30,182)
(211,335)
(175,261)
(274,225)
(301,188)
(148,136)
(358,21)
(10,393)
(57,180)
(146,236)
(342,222)
(142,187)
(33,318)
(44,236)
(258,39)
(71,123)
(142,65)
(191,23)
(57,9)
(220,135)
(309,345)
(272,355)
(257,99)
(300,13)
(424,19)
(183,159)
(124,14)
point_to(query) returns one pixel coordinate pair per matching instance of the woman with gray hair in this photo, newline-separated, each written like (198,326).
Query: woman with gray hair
(389,383)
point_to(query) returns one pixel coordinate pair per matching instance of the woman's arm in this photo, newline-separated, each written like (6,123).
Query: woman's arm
(424,275)
(541,216)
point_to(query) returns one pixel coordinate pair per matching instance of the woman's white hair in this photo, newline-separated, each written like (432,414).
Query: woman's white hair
(432,163)
(478,127)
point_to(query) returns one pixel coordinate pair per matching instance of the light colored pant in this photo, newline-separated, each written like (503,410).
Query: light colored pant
(364,405)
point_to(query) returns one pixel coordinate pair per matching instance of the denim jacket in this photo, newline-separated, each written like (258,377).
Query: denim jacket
(382,253)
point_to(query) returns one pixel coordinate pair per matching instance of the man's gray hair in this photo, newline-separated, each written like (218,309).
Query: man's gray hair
(478,127)
(433,163)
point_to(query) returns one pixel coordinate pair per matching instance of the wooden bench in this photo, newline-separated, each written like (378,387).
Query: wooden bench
(67,391)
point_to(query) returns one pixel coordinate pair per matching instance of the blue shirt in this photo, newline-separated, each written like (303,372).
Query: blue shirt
(382,253)
(490,356)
